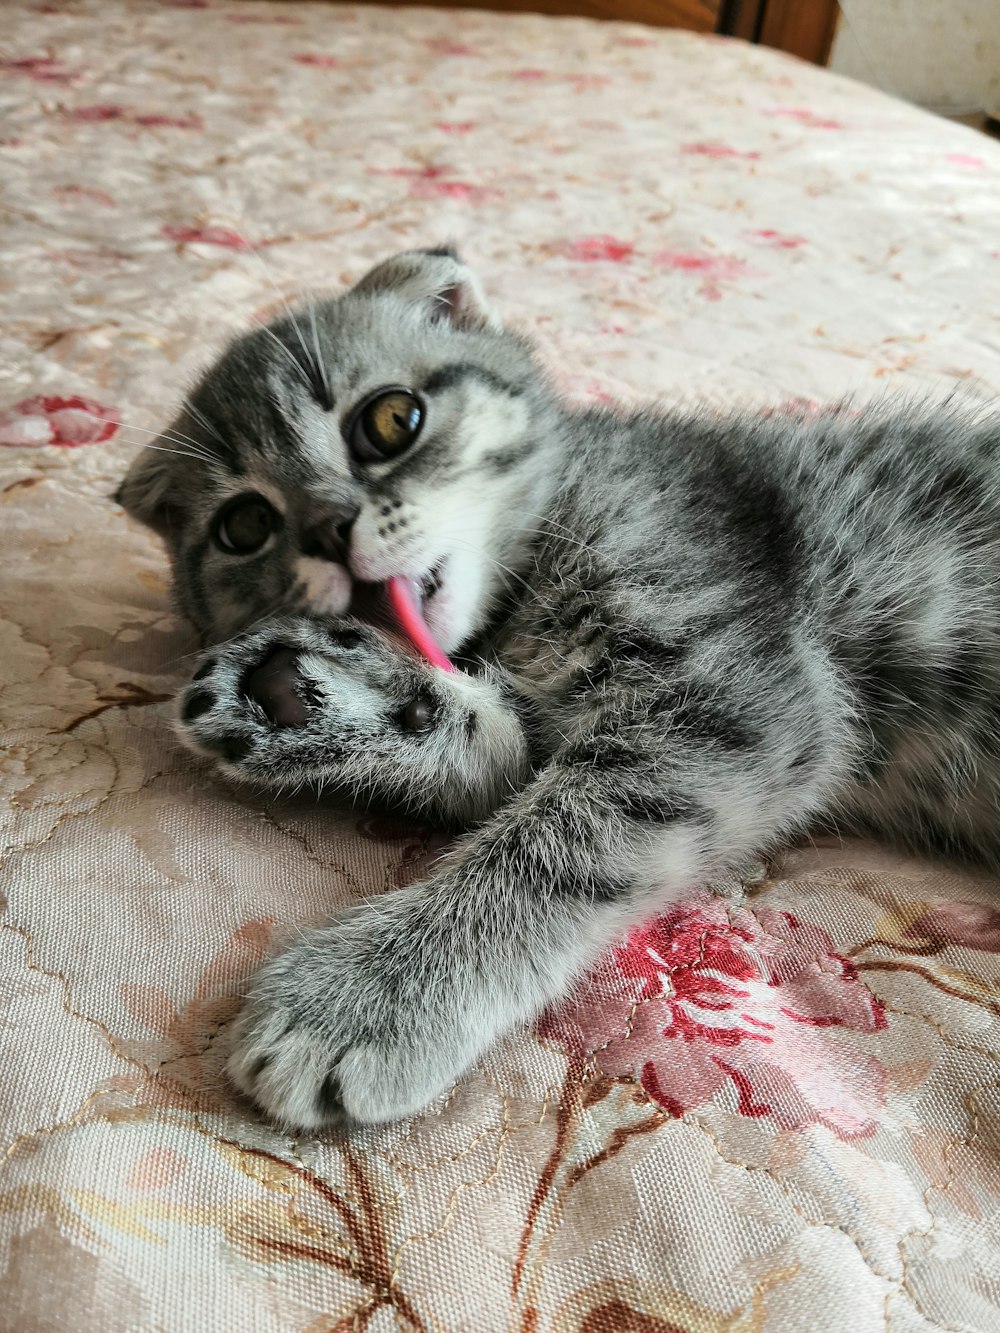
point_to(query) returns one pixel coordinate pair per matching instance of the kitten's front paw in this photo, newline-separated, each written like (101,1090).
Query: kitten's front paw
(305,700)
(361,1022)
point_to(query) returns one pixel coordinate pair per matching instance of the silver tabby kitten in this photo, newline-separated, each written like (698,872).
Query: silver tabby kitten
(681,639)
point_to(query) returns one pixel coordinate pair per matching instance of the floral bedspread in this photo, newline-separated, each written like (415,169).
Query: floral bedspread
(775,1108)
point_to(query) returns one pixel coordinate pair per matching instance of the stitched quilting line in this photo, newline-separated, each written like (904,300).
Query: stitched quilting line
(395,867)
(966,1047)
(450,1208)
(545,1189)
(902,965)
(267,814)
(67,997)
(573,1114)
(954,1142)
(895,1285)
(78,1118)
(899,1285)
(492,1175)
(692,1119)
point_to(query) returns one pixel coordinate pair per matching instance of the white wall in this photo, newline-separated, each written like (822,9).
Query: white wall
(943,54)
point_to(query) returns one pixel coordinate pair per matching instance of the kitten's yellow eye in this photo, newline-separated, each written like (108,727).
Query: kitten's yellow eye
(386,425)
(243,525)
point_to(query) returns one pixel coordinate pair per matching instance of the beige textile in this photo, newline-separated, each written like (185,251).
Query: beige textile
(774,1110)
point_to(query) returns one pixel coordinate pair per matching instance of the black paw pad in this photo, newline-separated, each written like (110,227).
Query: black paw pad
(200,702)
(345,638)
(329,1100)
(418,715)
(230,748)
(275,686)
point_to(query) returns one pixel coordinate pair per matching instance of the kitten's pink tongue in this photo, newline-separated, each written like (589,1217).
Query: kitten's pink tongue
(405,600)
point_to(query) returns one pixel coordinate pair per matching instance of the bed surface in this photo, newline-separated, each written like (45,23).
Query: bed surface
(775,1109)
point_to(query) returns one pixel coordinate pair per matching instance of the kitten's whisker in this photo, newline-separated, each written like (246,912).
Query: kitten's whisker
(320,363)
(181,453)
(287,351)
(203,420)
(178,437)
(290,313)
(192,449)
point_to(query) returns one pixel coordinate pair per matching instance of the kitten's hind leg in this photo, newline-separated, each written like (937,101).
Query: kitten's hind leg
(335,703)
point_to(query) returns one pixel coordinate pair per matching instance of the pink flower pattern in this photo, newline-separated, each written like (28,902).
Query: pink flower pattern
(49,419)
(435,182)
(718,151)
(969,925)
(103,111)
(43,69)
(224,237)
(805,116)
(778,240)
(595,249)
(711,268)
(698,1000)
(317,59)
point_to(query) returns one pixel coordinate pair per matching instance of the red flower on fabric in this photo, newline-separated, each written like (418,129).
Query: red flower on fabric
(43,69)
(156,121)
(807,117)
(698,999)
(68,422)
(700,261)
(102,111)
(970,925)
(431,182)
(321,61)
(210,235)
(713,269)
(441,46)
(593,249)
(778,240)
(716,150)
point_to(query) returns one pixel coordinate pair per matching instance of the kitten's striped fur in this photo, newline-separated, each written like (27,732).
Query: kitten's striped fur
(684,637)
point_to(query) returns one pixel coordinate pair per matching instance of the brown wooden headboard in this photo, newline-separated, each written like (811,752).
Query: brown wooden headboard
(802,27)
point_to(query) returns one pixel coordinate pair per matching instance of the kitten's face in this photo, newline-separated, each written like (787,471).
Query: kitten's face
(394,431)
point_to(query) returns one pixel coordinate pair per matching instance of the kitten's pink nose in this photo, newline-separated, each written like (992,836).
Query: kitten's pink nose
(274,686)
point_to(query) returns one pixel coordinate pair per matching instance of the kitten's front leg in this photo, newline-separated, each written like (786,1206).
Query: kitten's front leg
(334,702)
(372,1017)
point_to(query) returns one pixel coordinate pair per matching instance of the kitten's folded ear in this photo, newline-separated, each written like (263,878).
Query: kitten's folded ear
(152,493)
(438,280)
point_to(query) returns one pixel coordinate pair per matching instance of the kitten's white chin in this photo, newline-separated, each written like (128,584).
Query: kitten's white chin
(327,585)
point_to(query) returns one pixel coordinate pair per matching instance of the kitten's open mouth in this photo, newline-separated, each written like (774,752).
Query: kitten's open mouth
(400,604)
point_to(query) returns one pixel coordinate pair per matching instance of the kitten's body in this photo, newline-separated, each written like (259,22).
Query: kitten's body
(684,637)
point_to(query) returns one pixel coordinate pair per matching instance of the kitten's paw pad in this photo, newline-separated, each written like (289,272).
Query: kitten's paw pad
(303,1080)
(294,693)
(292,1076)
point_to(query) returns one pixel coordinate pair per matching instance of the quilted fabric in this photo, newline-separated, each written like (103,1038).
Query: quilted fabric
(776,1108)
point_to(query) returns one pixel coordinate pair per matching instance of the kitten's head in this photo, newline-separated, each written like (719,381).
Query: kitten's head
(396,430)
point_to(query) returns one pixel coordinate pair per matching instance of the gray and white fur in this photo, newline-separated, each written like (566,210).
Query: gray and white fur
(683,638)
